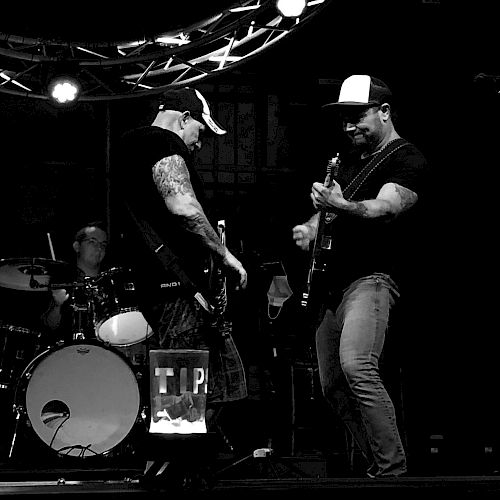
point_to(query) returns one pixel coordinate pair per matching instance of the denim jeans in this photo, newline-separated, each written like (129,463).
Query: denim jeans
(349,344)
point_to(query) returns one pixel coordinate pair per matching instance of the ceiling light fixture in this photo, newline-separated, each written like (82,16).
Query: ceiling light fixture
(291,8)
(150,63)
(63,90)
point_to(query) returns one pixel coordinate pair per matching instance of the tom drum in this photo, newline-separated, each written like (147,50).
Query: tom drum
(118,320)
(18,346)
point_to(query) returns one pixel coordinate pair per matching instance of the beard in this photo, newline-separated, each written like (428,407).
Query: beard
(365,143)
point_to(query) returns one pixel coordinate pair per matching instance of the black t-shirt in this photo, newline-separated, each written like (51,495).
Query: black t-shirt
(380,245)
(76,312)
(140,150)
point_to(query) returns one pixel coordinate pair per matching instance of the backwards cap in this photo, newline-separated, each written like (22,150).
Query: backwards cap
(188,99)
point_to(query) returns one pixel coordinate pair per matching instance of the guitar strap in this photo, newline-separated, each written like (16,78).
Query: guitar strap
(168,259)
(372,165)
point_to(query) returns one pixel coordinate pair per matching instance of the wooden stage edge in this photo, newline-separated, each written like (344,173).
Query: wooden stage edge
(116,483)
(339,488)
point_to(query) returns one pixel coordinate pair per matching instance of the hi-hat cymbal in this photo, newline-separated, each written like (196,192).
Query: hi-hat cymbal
(29,273)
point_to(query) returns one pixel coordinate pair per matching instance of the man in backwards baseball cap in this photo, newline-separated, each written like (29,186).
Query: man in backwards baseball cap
(190,100)
(168,252)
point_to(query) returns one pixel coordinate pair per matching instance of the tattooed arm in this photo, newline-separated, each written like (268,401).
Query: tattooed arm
(391,200)
(172,180)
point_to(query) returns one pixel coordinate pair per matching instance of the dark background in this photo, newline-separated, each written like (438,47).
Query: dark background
(54,178)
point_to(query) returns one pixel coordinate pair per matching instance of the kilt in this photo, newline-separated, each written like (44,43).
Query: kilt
(181,323)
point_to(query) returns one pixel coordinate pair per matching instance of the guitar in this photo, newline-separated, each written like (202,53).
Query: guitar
(219,285)
(321,248)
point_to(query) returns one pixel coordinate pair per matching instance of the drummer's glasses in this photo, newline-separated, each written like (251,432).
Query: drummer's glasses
(96,243)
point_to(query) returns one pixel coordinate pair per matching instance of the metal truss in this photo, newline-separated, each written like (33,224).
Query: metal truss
(132,68)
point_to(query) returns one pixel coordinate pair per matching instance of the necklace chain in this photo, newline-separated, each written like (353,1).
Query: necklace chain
(372,161)
(381,149)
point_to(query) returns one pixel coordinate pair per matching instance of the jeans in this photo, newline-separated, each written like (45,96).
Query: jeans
(349,344)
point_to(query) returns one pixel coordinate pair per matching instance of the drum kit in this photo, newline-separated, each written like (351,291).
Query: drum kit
(82,397)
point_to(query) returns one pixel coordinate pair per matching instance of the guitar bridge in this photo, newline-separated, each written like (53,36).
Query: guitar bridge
(305,297)
(326,242)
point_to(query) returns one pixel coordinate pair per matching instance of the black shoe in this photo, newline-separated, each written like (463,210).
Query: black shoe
(373,473)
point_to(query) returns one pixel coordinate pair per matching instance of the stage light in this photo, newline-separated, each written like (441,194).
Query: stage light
(64,90)
(291,8)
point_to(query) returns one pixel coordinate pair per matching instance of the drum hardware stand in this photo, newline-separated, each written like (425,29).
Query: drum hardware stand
(264,458)
(19,410)
(79,333)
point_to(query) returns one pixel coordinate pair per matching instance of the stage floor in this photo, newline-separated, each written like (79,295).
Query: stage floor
(247,478)
(339,488)
(202,467)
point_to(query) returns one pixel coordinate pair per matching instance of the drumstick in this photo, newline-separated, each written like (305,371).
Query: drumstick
(51,247)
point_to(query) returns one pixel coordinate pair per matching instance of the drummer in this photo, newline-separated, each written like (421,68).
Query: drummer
(67,317)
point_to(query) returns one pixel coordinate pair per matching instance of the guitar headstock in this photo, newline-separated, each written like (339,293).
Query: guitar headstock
(332,163)
(221,230)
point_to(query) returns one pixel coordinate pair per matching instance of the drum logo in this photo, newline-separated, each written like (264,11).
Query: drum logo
(171,284)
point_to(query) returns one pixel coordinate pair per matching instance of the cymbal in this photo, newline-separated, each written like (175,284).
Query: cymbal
(28,273)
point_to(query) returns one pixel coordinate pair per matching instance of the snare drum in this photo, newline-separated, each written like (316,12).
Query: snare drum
(81,399)
(18,346)
(117,318)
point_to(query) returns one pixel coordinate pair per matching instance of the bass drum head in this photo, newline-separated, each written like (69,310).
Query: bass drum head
(82,399)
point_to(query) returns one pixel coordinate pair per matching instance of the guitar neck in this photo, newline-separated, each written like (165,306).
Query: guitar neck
(323,241)
(221,322)
(221,231)
(221,283)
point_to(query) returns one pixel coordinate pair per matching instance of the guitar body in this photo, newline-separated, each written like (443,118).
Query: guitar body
(320,257)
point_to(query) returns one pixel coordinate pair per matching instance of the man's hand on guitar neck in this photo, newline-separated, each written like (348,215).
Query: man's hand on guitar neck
(327,198)
(303,234)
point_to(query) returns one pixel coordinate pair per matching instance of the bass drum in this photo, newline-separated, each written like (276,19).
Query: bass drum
(81,399)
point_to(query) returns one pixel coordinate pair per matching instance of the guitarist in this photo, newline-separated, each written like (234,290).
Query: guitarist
(372,195)
(159,186)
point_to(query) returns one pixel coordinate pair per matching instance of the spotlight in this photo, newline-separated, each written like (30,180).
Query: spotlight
(291,8)
(64,89)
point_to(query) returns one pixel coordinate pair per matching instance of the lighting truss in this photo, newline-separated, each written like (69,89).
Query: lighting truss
(127,69)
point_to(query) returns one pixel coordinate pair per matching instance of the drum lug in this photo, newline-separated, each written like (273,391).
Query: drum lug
(19,409)
(143,415)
